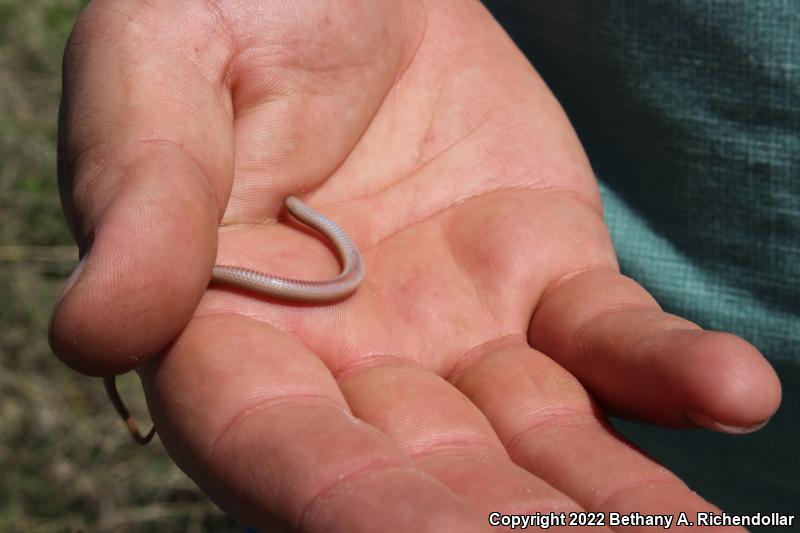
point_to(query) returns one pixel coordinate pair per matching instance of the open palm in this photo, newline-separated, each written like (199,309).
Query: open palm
(457,380)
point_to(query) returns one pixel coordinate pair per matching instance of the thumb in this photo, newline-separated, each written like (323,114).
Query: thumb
(145,166)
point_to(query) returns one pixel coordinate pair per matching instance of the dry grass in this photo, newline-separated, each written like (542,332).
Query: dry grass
(66,462)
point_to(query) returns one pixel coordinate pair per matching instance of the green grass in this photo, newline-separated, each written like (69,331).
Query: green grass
(67,462)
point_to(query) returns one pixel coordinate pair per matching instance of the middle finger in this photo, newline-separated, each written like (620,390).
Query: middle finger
(446,435)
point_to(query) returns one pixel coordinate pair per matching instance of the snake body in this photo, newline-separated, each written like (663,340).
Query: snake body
(289,289)
(299,290)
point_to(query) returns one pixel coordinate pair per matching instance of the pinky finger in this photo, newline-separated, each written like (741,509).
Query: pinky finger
(649,365)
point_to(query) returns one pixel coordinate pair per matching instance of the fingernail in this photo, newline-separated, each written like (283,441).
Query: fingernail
(707,422)
(76,274)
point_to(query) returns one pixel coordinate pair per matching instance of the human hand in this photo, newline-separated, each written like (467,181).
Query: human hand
(462,376)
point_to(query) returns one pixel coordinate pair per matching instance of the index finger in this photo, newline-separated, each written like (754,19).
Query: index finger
(259,422)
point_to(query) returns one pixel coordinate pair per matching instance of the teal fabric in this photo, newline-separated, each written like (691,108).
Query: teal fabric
(690,114)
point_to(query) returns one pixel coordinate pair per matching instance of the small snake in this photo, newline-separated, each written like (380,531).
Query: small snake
(297,290)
